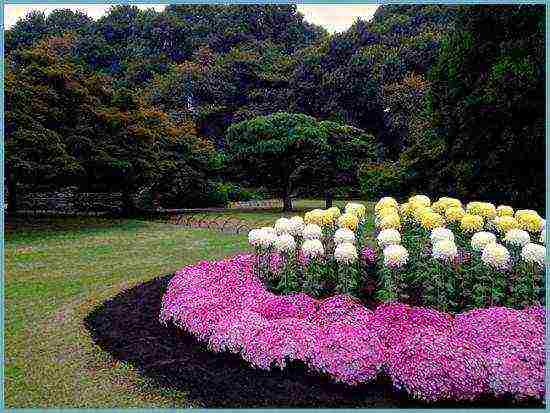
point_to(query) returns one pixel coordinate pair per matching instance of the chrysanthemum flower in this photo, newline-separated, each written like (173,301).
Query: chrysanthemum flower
(390,221)
(496,256)
(335,212)
(296,226)
(440,234)
(405,210)
(312,231)
(395,256)
(420,200)
(344,235)
(483,209)
(445,250)
(285,243)
(534,254)
(349,221)
(505,211)
(385,202)
(312,248)
(481,239)
(390,210)
(356,209)
(262,238)
(542,238)
(529,220)
(517,237)
(345,253)
(315,216)
(431,220)
(454,214)
(388,237)
(506,223)
(420,211)
(282,226)
(471,223)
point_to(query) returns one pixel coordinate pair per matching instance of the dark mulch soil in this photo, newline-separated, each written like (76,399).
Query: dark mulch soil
(127,327)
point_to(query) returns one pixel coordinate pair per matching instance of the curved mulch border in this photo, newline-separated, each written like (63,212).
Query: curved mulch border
(127,327)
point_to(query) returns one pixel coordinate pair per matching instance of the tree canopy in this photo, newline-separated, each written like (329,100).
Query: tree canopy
(433,98)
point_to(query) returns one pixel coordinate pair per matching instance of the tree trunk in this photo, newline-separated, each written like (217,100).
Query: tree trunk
(12,195)
(328,199)
(287,203)
(128,207)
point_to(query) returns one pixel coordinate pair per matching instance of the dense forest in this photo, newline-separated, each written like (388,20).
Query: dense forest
(199,104)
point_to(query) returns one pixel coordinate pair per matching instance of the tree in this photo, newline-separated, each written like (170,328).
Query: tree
(276,149)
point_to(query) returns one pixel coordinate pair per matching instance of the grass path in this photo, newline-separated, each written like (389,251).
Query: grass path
(58,270)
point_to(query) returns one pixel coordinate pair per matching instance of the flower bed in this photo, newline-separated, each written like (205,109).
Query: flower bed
(430,354)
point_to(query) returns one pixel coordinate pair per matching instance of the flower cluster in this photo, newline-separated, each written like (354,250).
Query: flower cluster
(430,354)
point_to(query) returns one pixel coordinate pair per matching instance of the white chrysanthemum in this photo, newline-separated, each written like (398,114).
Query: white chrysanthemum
(253,236)
(395,256)
(345,252)
(285,243)
(542,238)
(282,226)
(344,235)
(262,238)
(444,250)
(543,225)
(312,248)
(388,237)
(533,254)
(496,256)
(481,239)
(270,230)
(312,231)
(517,237)
(440,234)
(296,226)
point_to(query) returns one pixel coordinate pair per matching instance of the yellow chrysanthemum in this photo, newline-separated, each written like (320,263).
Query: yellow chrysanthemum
(386,202)
(530,222)
(419,212)
(431,220)
(327,218)
(471,223)
(335,212)
(450,202)
(381,213)
(506,223)
(483,209)
(521,212)
(316,216)
(505,211)
(390,221)
(349,221)
(356,209)
(454,214)
(420,200)
(405,209)
(439,207)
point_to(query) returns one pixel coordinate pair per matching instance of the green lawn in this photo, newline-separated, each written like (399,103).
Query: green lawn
(58,270)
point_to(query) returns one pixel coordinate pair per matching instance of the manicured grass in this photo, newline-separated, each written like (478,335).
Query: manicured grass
(58,270)
(55,274)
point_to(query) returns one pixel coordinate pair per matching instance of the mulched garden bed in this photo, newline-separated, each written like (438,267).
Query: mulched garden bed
(127,327)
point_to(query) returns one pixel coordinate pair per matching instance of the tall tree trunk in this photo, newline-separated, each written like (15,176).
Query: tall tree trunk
(128,207)
(328,199)
(287,200)
(287,203)
(12,194)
